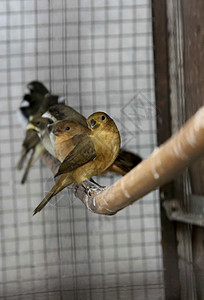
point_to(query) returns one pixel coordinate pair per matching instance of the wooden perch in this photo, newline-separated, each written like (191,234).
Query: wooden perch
(163,165)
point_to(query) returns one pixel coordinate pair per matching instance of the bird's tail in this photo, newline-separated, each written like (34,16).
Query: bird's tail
(34,156)
(29,164)
(22,159)
(125,162)
(61,182)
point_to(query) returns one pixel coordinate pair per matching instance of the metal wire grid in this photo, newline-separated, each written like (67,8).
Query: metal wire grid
(98,54)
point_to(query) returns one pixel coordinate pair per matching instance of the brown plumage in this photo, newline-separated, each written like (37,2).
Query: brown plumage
(64,136)
(124,162)
(94,151)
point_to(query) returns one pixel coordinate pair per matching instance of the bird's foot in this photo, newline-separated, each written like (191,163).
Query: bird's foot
(91,190)
(102,187)
(93,187)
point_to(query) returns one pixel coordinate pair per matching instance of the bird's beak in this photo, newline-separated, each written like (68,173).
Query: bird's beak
(93,124)
(30,126)
(56,132)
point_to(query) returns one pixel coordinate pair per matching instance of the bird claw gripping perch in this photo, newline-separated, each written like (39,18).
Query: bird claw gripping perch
(93,188)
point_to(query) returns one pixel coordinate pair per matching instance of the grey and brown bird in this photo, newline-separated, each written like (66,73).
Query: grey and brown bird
(38,101)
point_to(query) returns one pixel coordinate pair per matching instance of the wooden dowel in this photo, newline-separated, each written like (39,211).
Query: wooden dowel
(163,165)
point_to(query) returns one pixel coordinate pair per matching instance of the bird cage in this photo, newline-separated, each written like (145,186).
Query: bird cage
(125,58)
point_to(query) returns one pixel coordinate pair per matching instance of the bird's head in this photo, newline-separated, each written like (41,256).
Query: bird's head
(99,120)
(65,128)
(39,124)
(61,127)
(37,87)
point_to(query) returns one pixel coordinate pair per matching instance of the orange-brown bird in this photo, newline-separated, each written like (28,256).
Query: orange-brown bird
(94,151)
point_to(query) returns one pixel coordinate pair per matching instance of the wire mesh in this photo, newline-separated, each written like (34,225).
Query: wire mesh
(99,54)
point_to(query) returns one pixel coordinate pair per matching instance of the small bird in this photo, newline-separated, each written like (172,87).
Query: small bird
(38,102)
(93,153)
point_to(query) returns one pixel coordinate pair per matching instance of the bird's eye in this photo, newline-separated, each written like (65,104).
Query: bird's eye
(38,123)
(67,128)
(103,118)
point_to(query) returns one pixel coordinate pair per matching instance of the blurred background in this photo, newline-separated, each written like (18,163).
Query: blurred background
(141,61)
(99,55)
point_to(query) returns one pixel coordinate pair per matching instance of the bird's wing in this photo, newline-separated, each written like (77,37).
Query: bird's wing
(31,139)
(83,152)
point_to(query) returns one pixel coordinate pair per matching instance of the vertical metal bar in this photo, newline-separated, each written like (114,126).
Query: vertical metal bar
(169,244)
(71,211)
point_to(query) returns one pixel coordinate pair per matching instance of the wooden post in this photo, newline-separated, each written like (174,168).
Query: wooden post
(193,27)
(161,67)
